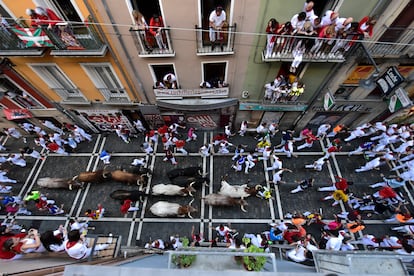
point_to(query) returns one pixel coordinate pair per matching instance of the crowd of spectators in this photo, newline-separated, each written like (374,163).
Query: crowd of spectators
(307,34)
(283,89)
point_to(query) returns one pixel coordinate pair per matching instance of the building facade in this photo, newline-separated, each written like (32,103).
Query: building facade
(100,68)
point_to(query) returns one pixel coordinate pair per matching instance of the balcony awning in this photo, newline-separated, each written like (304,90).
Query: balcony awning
(14,114)
(197,104)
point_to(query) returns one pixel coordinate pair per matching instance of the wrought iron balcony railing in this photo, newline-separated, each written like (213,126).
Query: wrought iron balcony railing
(115,95)
(311,49)
(206,47)
(11,45)
(150,46)
(401,43)
(64,40)
(79,40)
(71,95)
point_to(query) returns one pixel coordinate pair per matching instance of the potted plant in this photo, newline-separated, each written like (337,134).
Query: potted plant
(183,260)
(253,263)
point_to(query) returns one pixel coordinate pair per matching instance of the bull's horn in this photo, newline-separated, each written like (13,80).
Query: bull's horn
(242,208)
(191,202)
(75,177)
(189,215)
(190,193)
(70,187)
(106,174)
(258,187)
(204,174)
(192,183)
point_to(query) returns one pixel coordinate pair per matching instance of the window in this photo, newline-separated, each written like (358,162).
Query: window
(17,94)
(65,9)
(160,70)
(105,79)
(147,8)
(214,72)
(58,81)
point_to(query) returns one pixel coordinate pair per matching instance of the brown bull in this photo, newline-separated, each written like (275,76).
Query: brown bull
(129,178)
(92,177)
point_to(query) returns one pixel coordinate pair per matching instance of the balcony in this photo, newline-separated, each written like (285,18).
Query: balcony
(71,96)
(77,40)
(315,49)
(115,96)
(11,45)
(148,46)
(64,40)
(204,46)
(395,42)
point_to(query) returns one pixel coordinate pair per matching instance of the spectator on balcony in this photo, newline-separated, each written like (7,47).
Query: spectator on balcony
(43,17)
(217,82)
(322,46)
(217,21)
(270,88)
(329,18)
(205,84)
(159,85)
(142,27)
(66,35)
(297,21)
(308,9)
(307,32)
(297,56)
(170,81)
(284,29)
(316,24)
(4,25)
(271,31)
(343,24)
(156,30)
(366,26)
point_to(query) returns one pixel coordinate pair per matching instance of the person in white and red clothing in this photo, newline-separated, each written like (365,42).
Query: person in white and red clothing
(77,248)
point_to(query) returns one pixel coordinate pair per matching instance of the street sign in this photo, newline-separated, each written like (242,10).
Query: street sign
(389,80)
(328,101)
(399,100)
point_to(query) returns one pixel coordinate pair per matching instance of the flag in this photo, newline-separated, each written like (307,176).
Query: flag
(13,114)
(33,37)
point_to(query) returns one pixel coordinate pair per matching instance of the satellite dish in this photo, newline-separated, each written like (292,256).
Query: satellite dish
(367,84)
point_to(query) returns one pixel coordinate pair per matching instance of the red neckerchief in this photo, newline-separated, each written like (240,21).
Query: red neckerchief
(71,244)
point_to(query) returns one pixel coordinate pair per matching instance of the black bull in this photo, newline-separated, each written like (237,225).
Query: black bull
(184,181)
(134,195)
(190,171)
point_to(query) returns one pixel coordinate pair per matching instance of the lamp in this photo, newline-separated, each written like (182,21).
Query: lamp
(369,83)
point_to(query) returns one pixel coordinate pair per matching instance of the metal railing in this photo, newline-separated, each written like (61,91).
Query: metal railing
(115,95)
(148,45)
(287,47)
(10,44)
(70,94)
(79,39)
(205,46)
(404,44)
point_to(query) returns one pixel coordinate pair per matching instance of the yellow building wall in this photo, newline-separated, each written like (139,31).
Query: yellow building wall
(69,65)
(71,68)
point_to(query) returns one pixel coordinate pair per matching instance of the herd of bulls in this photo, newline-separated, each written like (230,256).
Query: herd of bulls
(184,182)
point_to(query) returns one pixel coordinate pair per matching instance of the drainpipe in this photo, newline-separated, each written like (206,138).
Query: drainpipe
(90,10)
